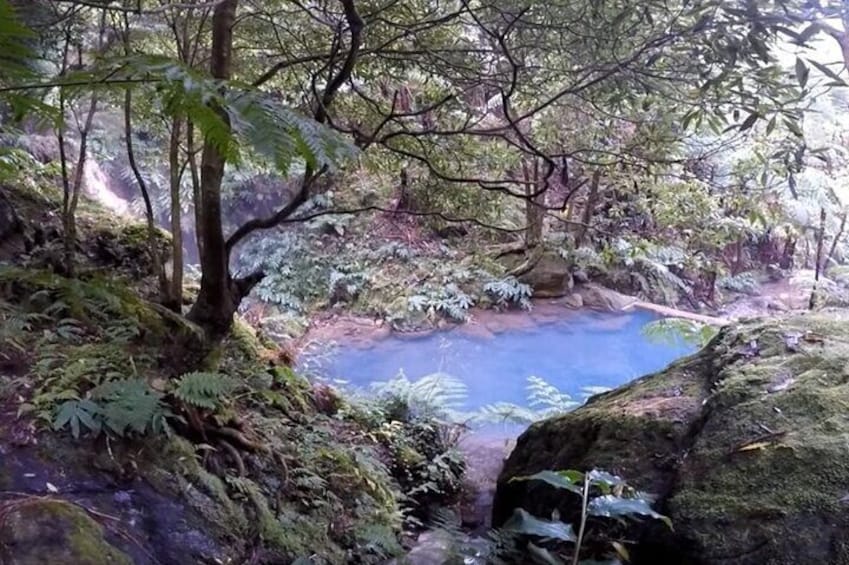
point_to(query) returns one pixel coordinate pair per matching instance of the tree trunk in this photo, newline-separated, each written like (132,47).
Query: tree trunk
(155,259)
(834,243)
(175,294)
(193,169)
(219,294)
(534,203)
(589,208)
(820,237)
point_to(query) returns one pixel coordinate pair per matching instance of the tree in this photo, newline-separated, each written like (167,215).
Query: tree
(474,100)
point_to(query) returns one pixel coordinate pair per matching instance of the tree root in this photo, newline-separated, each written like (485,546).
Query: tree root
(237,437)
(234,455)
(531,262)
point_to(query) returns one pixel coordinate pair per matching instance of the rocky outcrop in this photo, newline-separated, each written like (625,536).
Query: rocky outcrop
(598,297)
(745,444)
(546,272)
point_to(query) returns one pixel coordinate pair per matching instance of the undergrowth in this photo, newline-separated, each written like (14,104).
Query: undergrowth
(241,441)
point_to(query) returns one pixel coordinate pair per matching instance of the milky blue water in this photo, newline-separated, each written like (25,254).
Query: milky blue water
(581,350)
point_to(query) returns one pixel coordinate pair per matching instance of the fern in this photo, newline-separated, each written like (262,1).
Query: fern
(437,394)
(204,390)
(119,407)
(131,406)
(671,331)
(544,401)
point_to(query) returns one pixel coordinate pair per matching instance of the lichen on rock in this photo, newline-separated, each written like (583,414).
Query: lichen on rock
(34,531)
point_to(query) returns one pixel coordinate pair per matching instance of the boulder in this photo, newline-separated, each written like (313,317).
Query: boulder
(37,530)
(598,297)
(574,300)
(744,443)
(549,277)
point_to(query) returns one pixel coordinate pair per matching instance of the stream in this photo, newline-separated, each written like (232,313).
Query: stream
(579,354)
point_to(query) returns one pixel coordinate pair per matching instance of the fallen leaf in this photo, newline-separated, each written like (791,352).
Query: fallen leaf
(755,446)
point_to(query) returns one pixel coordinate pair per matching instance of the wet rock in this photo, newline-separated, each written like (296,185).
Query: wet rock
(574,300)
(744,443)
(601,298)
(550,277)
(35,530)
(581,277)
(61,517)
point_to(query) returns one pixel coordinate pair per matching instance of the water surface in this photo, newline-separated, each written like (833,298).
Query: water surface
(579,351)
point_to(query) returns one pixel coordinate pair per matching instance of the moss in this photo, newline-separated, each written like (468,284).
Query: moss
(745,442)
(51,531)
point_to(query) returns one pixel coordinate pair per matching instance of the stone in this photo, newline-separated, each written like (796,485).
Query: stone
(550,277)
(574,300)
(601,298)
(36,530)
(581,277)
(744,443)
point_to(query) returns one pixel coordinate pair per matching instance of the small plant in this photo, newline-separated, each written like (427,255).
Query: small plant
(438,395)
(121,408)
(602,495)
(672,331)
(345,287)
(204,390)
(508,292)
(448,301)
(544,401)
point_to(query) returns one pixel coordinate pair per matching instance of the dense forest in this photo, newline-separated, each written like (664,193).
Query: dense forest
(198,196)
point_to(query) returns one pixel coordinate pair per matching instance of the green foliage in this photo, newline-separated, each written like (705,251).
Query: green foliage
(124,407)
(601,495)
(448,301)
(544,401)
(508,292)
(745,283)
(437,395)
(204,390)
(673,331)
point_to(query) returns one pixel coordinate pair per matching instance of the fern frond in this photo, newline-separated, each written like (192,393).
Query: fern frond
(204,390)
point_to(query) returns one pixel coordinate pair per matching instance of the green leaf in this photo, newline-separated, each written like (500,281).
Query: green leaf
(566,480)
(604,478)
(542,555)
(802,72)
(521,522)
(750,121)
(793,126)
(771,125)
(828,72)
(610,506)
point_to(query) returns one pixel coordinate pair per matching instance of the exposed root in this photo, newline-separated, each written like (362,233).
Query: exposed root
(533,258)
(234,455)
(237,437)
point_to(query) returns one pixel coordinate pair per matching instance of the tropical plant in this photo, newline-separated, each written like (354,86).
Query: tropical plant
(601,495)
(674,331)
(544,401)
(509,291)
(123,407)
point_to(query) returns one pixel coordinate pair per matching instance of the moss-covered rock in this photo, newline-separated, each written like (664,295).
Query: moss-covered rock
(746,443)
(34,531)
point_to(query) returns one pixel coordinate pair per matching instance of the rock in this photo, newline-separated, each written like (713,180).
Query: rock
(601,298)
(574,300)
(744,443)
(581,277)
(36,530)
(550,277)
